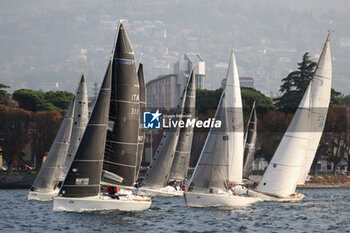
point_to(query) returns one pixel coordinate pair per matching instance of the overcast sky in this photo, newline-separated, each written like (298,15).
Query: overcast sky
(45,44)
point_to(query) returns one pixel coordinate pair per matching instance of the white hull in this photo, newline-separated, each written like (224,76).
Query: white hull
(125,203)
(266,197)
(168,191)
(37,196)
(224,199)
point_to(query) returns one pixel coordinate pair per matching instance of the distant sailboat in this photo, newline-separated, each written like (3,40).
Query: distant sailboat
(250,141)
(294,155)
(172,156)
(81,117)
(105,138)
(45,185)
(221,160)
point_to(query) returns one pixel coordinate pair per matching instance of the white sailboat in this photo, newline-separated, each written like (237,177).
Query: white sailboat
(95,161)
(221,160)
(294,155)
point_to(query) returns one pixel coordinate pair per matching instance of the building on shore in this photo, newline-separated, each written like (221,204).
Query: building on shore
(165,90)
(243,81)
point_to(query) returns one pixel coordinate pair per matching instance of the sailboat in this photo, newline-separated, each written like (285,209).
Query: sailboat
(55,168)
(105,140)
(221,160)
(172,156)
(249,141)
(45,185)
(81,117)
(294,155)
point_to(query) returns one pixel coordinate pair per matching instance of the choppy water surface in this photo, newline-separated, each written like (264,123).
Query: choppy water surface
(322,210)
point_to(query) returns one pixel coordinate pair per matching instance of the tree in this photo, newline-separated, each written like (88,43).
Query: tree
(43,101)
(46,125)
(209,100)
(271,128)
(337,98)
(294,85)
(262,102)
(4,96)
(29,99)
(60,99)
(14,132)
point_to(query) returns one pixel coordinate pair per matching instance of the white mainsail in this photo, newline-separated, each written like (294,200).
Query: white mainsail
(297,149)
(221,159)
(320,97)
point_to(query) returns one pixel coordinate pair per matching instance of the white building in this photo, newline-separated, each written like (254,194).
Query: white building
(165,91)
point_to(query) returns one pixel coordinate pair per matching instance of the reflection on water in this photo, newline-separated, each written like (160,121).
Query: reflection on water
(322,210)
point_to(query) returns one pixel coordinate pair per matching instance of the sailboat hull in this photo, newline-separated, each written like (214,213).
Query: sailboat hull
(125,203)
(167,191)
(37,196)
(265,197)
(224,199)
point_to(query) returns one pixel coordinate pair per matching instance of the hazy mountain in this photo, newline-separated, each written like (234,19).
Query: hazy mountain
(44,42)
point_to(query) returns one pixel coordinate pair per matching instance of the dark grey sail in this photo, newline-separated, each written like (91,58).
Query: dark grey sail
(250,141)
(121,150)
(48,177)
(84,176)
(80,119)
(184,143)
(142,108)
(158,173)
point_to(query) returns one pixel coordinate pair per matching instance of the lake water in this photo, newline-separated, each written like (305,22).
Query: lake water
(322,210)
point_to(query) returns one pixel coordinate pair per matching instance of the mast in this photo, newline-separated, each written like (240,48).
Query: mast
(121,150)
(84,175)
(250,141)
(81,117)
(183,149)
(158,173)
(49,174)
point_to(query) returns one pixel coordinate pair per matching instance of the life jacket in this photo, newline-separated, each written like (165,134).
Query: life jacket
(112,190)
